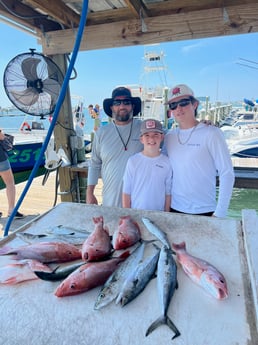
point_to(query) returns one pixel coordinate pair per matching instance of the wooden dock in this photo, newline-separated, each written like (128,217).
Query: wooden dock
(40,198)
(246,172)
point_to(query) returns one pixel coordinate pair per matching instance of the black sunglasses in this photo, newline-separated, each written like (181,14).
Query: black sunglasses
(122,101)
(183,103)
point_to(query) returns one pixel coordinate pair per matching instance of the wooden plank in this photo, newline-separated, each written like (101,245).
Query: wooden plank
(39,199)
(168,27)
(250,230)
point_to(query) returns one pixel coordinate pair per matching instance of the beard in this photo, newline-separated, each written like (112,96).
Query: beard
(124,117)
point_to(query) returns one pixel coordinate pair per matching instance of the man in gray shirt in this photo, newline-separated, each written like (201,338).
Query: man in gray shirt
(113,144)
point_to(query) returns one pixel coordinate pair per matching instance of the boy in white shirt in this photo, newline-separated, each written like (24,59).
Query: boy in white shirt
(148,174)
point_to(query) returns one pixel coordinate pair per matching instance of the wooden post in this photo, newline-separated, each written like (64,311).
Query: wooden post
(63,131)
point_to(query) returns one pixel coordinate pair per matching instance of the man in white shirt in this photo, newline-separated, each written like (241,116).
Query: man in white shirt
(198,154)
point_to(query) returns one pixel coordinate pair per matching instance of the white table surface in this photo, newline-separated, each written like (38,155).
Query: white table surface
(32,314)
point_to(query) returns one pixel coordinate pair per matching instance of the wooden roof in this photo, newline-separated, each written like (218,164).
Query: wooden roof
(116,23)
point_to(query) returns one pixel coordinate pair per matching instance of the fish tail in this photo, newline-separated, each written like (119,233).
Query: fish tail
(6,250)
(163,320)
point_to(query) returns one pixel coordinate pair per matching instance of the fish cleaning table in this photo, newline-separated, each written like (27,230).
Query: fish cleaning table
(32,314)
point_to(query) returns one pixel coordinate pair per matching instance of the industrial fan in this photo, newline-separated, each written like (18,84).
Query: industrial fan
(33,82)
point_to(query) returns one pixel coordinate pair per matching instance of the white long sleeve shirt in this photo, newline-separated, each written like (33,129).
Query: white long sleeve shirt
(202,155)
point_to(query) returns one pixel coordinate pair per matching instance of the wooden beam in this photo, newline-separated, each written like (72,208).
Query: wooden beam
(137,7)
(57,10)
(175,27)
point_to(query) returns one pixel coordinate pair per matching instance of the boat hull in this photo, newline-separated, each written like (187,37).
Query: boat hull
(24,156)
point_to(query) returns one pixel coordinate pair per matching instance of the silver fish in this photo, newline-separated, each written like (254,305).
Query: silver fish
(157,232)
(138,279)
(167,283)
(59,273)
(112,286)
(66,230)
(32,238)
(72,238)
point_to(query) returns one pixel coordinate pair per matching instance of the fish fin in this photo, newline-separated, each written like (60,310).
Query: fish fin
(163,320)
(6,250)
(9,281)
(160,321)
(55,269)
(173,327)
(50,276)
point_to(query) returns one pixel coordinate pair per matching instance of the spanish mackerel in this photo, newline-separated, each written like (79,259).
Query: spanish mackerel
(167,283)
(137,280)
(112,286)
(161,235)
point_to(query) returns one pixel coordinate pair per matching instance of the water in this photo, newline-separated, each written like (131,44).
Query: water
(241,198)
(14,119)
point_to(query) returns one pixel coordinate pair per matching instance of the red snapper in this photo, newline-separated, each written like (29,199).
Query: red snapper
(127,233)
(201,272)
(98,244)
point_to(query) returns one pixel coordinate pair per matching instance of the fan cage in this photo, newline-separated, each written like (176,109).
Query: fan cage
(32,83)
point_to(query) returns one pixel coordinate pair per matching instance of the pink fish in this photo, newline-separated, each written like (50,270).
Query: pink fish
(45,252)
(88,276)
(21,271)
(127,233)
(98,244)
(201,272)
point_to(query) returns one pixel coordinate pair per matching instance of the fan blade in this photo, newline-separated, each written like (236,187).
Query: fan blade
(52,87)
(29,68)
(27,97)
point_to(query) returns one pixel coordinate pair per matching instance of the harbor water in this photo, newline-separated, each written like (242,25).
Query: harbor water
(241,198)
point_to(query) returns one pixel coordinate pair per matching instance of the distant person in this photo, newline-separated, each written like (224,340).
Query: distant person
(113,144)
(92,111)
(97,117)
(8,179)
(148,174)
(197,154)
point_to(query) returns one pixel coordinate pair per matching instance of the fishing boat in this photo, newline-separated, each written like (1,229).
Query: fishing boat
(28,140)
(153,86)
(242,140)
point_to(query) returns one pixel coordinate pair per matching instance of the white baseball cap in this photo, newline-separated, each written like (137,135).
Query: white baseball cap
(179,91)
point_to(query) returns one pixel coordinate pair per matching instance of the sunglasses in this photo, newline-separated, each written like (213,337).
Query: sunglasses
(182,103)
(122,101)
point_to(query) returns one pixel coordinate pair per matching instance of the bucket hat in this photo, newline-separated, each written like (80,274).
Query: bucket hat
(122,92)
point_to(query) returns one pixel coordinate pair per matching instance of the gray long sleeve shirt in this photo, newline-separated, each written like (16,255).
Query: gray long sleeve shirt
(109,158)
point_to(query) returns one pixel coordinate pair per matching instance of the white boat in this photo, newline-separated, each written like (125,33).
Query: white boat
(28,140)
(153,87)
(242,141)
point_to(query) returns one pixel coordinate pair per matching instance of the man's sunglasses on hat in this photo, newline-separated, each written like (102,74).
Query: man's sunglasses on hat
(118,102)
(183,103)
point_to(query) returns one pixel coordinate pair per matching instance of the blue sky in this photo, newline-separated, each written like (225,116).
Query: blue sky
(208,66)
